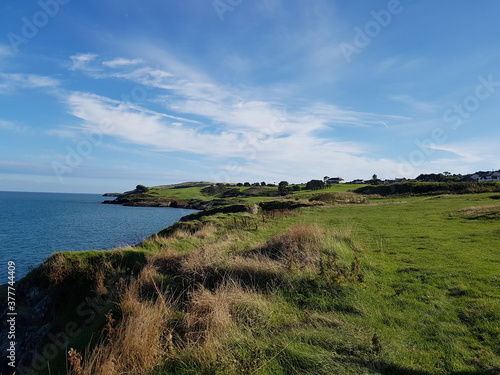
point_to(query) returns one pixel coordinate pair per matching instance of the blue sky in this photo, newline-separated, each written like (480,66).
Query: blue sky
(99,96)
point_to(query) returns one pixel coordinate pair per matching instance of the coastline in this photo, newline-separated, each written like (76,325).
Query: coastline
(245,258)
(137,201)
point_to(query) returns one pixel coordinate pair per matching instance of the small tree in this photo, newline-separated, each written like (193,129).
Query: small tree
(283,187)
(315,185)
(142,189)
(263,183)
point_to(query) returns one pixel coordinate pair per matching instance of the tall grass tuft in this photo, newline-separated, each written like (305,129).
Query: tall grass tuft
(220,319)
(134,345)
(296,248)
(208,316)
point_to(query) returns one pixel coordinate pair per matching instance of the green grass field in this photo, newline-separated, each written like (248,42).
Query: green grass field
(432,289)
(390,286)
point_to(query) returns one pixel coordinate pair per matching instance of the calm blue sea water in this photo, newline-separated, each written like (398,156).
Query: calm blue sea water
(34,225)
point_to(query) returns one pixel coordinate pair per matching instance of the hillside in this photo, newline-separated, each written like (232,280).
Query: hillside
(320,282)
(202,196)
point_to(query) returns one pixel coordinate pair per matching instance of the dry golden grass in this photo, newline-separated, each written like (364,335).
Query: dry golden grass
(206,231)
(255,265)
(105,268)
(487,211)
(202,231)
(207,259)
(298,247)
(56,268)
(224,306)
(208,317)
(137,343)
(214,317)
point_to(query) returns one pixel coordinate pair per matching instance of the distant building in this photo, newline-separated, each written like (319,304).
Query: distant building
(335,180)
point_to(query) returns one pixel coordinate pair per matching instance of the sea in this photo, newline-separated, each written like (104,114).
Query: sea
(35,225)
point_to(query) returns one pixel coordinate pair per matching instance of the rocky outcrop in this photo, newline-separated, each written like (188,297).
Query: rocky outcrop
(145,200)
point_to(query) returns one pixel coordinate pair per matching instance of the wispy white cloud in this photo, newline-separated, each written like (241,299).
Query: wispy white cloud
(120,62)
(415,104)
(399,63)
(254,152)
(7,125)
(187,91)
(12,82)
(142,127)
(475,151)
(65,133)
(203,117)
(247,124)
(82,62)
(11,126)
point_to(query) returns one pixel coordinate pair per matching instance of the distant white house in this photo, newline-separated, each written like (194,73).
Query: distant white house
(335,180)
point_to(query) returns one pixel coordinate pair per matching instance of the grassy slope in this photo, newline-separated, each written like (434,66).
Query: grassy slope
(177,192)
(426,300)
(181,193)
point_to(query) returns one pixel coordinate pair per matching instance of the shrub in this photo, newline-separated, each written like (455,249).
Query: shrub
(141,189)
(214,189)
(315,185)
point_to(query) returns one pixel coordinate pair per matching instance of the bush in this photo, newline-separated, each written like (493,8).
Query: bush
(283,187)
(142,189)
(214,189)
(315,185)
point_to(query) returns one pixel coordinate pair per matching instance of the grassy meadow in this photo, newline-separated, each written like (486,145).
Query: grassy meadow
(342,284)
